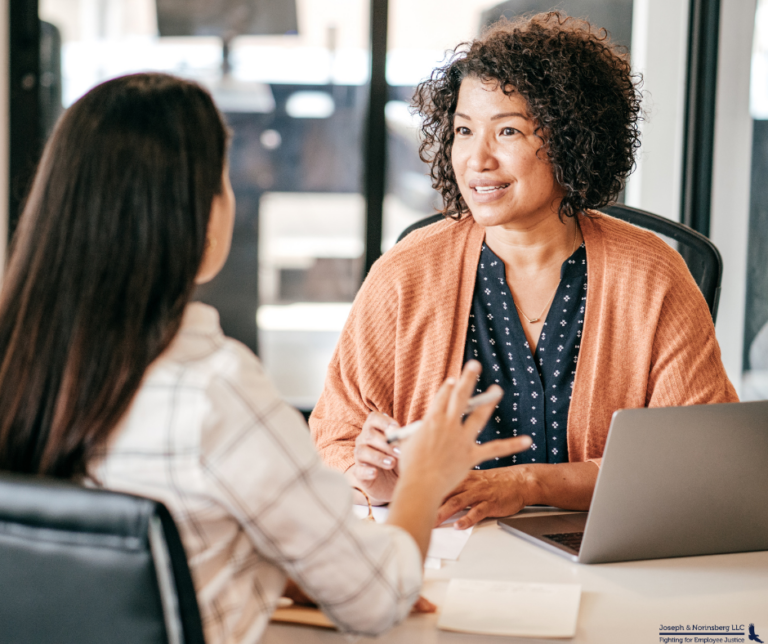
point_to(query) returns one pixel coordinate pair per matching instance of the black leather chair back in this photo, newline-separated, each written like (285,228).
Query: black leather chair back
(700,254)
(88,566)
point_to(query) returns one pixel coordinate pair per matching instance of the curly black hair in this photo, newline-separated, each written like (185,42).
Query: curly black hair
(580,91)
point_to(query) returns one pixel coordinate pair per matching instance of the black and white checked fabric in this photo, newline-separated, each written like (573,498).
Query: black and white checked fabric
(209,436)
(537,385)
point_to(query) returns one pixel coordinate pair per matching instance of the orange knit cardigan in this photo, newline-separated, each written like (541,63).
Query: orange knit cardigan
(648,336)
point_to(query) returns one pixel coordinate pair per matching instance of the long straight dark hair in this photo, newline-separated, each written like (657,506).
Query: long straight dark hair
(103,264)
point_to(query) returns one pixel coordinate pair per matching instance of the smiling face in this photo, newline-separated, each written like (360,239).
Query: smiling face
(503,180)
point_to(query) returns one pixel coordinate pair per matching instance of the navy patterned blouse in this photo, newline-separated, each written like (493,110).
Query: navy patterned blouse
(537,387)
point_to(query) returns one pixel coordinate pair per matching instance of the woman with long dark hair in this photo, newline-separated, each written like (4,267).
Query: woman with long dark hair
(111,376)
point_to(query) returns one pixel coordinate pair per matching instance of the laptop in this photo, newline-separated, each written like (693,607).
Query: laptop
(674,482)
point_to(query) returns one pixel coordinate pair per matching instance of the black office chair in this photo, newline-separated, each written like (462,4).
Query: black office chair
(700,254)
(87,566)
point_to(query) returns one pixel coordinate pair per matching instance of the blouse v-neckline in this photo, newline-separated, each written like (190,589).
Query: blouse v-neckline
(538,384)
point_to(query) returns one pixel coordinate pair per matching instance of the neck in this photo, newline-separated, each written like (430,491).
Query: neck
(534,247)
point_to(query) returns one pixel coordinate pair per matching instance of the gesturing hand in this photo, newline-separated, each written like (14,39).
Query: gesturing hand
(375,469)
(445,448)
(436,458)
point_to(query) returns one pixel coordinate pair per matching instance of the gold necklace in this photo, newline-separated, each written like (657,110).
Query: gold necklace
(538,317)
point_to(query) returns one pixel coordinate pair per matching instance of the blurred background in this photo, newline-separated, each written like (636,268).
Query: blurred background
(324,158)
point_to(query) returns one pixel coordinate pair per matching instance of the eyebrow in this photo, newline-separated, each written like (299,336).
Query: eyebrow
(496,117)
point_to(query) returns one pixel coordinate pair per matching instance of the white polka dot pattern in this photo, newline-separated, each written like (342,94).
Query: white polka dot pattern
(538,403)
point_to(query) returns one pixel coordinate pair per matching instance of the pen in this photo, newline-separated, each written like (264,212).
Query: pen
(401,433)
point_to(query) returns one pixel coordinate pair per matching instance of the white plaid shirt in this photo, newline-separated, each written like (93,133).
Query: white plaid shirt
(208,435)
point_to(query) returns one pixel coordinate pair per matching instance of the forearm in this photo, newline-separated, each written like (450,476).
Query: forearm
(565,485)
(367,565)
(414,509)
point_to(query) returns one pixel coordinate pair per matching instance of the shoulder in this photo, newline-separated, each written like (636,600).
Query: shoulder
(442,239)
(201,357)
(433,235)
(226,380)
(200,347)
(426,250)
(631,250)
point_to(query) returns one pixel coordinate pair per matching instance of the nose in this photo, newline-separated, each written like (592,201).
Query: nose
(481,155)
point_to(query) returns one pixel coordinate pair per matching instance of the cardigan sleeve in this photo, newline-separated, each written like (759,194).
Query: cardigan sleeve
(686,366)
(361,373)
(685,362)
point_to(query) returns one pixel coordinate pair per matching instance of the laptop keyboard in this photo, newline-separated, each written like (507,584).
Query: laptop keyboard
(568,539)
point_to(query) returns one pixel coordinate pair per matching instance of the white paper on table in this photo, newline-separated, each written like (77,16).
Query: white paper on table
(510,608)
(433,563)
(446,542)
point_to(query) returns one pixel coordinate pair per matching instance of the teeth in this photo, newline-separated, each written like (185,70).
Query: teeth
(490,188)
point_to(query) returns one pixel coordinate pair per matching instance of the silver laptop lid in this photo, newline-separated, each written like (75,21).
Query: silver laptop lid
(680,481)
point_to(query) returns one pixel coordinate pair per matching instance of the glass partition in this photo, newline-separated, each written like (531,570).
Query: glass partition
(755,357)
(291,78)
(294,90)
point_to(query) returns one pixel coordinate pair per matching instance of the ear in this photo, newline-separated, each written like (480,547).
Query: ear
(219,232)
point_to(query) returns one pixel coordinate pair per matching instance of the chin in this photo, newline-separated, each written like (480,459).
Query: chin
(487,218)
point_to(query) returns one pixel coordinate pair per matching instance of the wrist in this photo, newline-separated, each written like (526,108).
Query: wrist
(365,490)
(530,484)
(429,489)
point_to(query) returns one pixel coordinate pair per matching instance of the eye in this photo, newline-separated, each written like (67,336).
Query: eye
(509,131)
(462,130)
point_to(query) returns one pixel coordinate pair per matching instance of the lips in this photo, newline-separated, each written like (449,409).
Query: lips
(483,190)
(487,190)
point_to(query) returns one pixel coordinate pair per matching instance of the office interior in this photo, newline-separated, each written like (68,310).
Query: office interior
(324,155)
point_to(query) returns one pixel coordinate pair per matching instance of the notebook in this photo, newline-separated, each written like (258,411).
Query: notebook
(510,608)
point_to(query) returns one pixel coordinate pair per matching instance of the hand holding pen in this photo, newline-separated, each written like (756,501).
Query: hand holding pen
(395,435)
(375,470)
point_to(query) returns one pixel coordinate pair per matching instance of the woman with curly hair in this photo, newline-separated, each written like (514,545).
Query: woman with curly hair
(529,130)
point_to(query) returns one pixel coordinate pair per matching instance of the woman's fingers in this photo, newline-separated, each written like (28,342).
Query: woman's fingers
(368,456)
(379,443)
(365,473)
(378,423)
(379,420)
(476,514)
(452,397)
(479,417)
(374,435)
(293,592)
(423,605)
(451,506)
(440,401)
(464,388)
(502,447)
